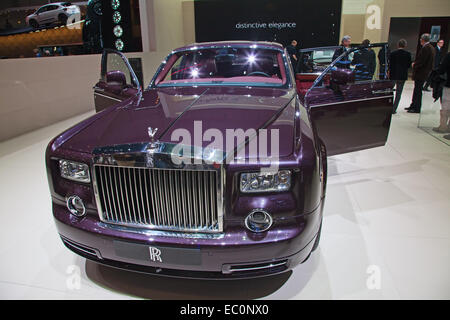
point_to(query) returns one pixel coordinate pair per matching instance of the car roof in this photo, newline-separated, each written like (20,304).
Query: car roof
(54,3)
(235,43)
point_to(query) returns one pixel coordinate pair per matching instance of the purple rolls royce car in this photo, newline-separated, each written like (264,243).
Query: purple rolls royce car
(218,168)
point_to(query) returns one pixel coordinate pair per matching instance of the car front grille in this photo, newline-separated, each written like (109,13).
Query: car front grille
(162,199)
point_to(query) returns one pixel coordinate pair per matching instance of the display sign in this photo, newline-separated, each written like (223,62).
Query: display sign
(281,21)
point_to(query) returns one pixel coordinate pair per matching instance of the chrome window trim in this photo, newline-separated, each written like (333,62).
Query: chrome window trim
(104,95)
(348,101)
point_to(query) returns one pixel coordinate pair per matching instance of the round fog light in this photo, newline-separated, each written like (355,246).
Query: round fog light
(258,221)
(76,206)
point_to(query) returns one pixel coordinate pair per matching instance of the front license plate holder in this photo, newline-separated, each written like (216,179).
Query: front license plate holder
(158,254)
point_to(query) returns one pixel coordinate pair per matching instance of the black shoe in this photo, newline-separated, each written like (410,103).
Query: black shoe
(394,112)
(413,111)
(447,137)
(425,89)
(409,108)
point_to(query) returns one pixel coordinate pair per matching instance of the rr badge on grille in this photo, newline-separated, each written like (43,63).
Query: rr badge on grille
(155,254)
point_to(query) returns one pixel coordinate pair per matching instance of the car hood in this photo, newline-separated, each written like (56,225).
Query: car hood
(176,111)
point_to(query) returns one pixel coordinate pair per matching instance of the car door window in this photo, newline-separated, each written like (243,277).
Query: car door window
(351,101)
(117,83)
(312,63)
(116,65)
(42,9)
(53,7)
(361,68)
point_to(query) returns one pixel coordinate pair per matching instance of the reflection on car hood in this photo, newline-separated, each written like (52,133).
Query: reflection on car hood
(170,109)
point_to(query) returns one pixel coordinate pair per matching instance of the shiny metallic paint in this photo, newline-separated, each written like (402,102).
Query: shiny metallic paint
(297,214)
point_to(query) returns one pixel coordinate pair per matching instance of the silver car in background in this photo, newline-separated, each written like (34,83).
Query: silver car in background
(54,13)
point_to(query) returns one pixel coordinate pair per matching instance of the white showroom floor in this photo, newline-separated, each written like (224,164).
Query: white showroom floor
(386,231)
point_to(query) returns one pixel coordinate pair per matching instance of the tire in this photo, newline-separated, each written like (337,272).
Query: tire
(62,18)
(316,242)
(33,23)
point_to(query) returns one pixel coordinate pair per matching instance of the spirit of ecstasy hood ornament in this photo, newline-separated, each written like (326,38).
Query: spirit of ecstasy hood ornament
(152,147)
(152,133)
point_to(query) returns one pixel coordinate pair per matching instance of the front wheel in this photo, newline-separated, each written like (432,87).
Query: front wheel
(34,24)
(62,19)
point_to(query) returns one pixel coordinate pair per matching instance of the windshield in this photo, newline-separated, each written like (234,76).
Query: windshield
(224,66)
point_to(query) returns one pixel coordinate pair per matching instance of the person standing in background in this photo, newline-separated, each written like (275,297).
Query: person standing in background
(444,126)
(364,61)
(383,55)
(399,63)
(293,54)
(345,46)
(422,67)
(437,62)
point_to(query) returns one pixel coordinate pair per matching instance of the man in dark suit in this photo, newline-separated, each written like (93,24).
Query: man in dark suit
(345,46)
(293,53)
(383,55)
(437,61)
(444,71)
(399,63)
(364,61)
(422,67)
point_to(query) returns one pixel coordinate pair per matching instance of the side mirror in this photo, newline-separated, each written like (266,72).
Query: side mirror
(342,76)
(116,77)
(116,81)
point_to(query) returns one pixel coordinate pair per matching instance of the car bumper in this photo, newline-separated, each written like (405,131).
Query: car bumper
(237,253)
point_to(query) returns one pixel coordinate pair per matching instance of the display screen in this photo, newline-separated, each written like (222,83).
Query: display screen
(40,28)
(312,25)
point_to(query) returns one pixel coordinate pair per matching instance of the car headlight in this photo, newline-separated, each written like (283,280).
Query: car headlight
(266,182)
(74,171)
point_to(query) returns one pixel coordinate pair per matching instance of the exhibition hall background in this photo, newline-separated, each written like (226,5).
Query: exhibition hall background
(36,92)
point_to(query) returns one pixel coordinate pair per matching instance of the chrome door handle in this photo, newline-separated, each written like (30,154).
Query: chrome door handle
(98,89)
(382,91)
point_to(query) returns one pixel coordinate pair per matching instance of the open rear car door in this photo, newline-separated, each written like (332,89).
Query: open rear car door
(117,83)
(350,97)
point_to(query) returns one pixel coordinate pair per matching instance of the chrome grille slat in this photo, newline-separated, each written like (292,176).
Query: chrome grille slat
(116,188)
(171,196)
(126,192)
(212,199)
(195,196)
(136,196)
(157,198)
(200,198)
(189,198)
(152,209)
(182,199)
(144,209)
(107,210)
(122,198)
(111,189)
